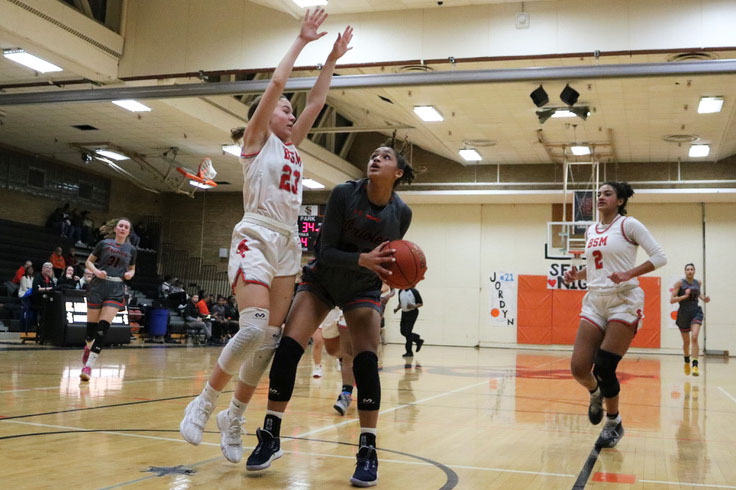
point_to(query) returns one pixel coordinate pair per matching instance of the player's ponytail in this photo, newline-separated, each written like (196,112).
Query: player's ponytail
(623,191)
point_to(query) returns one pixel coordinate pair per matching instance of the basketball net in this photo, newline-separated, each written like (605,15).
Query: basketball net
(206,171)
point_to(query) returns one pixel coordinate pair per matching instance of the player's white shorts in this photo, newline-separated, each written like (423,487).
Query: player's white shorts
(329,326)
(262,249)
(626,307)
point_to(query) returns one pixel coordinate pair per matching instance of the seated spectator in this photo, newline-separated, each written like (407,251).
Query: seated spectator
(71,260)
(55,220)
(68,280)
(45,281)
(195,319)
(177,297)
(26,282)
(12,285)
(87,228)
(203,304)
(66,221)
(43,285)
(224,326)
(164,290)
(83,283)
(75,232)
(57,262)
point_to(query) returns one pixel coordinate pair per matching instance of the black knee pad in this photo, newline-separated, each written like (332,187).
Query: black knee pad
(102,327)
(91,329)
(365,369)
(605,372)
(283,370)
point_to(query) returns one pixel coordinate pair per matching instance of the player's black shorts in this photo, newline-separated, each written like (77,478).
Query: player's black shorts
(340,293)
(105,293)
(688,317)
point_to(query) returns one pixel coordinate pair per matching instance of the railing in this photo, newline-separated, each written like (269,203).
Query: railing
(192,272)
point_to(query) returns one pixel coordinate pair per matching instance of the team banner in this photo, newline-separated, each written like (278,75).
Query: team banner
(555,278)
(502,311)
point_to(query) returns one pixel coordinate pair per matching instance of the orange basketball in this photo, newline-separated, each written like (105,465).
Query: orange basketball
(409,267)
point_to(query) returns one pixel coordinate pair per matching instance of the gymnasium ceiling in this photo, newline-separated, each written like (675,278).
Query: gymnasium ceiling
(628,121)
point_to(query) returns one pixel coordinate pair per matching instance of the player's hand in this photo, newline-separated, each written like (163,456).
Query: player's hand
(101,274)
(619,277)
(687,292)
(571,275)
(310,26)
(380,255)
(341,44)
(706,299)
(128,275)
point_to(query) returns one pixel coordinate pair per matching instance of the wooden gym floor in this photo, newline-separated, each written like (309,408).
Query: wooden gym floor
(453,418)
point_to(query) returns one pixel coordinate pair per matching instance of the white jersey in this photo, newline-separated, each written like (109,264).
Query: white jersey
(273,182)
(612,248)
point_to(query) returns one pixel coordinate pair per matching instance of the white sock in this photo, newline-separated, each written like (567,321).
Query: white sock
(91,360)
(369,430)
(275,414)
(209,393)
(236,408)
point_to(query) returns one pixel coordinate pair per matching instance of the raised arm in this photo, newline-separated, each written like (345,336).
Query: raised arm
(317,96)
(257,130)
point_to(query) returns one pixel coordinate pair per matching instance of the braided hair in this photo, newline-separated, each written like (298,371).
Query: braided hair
(401,161)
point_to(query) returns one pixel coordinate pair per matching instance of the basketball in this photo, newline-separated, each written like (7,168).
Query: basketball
(410,265)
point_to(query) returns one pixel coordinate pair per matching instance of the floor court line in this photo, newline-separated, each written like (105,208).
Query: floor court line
(733,399)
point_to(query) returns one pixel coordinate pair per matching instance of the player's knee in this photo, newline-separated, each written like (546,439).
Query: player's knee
(283,370)
(253,322)
(365,370)
(605,372)
(102,327)
(579,370)
(256,363)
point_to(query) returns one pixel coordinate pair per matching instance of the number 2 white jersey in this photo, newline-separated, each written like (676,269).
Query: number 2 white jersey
(612,248)
(273,181)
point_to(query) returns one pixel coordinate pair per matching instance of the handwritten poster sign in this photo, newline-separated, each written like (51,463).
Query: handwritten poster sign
(502,311)
(556,274)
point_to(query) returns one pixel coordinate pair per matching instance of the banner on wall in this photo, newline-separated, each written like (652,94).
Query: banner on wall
(555,278)
(502,311)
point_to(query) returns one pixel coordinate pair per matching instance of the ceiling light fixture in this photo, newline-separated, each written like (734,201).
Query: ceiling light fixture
(131,105)
(539,96)
(581,111)
(312,184)
(580,150)
(111,154)
(699,151)
(200,185)
(428,113)
(233,150)
(709,105)
(32,62)
(470,155)
(309,3)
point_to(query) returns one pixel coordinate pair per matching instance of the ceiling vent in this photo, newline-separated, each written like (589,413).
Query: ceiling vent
(680,138)
(692,56)
(479,143)
(413,68)
(84,127)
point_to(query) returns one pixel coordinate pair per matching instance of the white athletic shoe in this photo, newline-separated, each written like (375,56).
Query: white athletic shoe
(231,441)
(317,372)
(195,417)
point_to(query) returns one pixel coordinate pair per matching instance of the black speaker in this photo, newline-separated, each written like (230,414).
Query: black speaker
(569,95)
(539,96)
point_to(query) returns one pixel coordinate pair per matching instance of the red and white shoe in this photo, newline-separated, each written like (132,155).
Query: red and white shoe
(86,373)
(85,354)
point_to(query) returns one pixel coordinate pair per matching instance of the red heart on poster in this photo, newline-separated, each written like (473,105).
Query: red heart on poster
(552,282)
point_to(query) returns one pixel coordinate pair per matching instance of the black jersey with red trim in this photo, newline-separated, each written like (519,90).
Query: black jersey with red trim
(353,225)
(113,257)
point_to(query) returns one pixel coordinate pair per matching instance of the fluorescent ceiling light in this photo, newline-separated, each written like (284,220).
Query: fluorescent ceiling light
(112,154)
(131,105)
(563,113)
(699,151)
(200,185)
(32,62)
(310,3)
(470,155)
(234,150)
(428,113)
(580,150)
(709,105)
(312,184)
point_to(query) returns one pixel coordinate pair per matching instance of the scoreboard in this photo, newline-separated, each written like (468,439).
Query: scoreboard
(309,223)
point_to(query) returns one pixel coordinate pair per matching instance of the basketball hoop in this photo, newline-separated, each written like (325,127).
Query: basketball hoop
(203,178)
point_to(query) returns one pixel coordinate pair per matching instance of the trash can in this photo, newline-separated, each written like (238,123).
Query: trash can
(158,319)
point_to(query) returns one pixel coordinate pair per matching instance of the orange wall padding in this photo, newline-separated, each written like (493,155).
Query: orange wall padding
(551,316)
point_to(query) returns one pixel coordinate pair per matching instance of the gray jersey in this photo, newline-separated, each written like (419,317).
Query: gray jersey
(113,257)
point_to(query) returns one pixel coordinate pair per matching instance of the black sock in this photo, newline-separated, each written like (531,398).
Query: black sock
(695,363)
(687,359)
(272,424)
(347,389)
(611,416)
(367,439)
